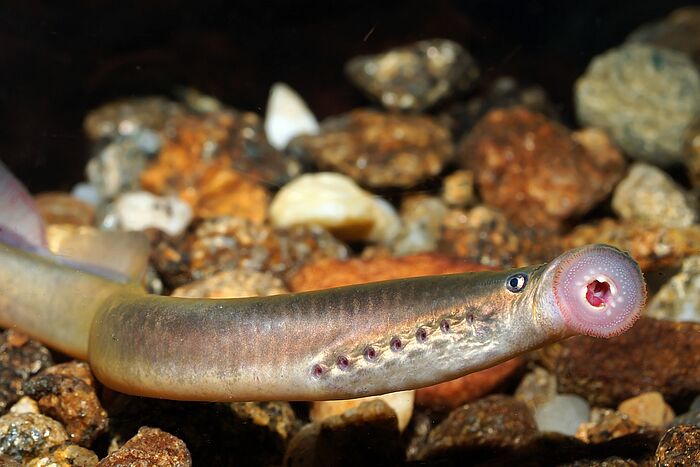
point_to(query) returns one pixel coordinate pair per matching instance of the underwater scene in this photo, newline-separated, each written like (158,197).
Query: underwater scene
(350,233)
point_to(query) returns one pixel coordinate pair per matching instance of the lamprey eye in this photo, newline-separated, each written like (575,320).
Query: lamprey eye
(517,282)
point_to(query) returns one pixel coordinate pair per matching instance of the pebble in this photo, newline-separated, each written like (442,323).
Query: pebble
(127,117)
(67,455)
(287,116)
(654,355)
(563,413)
(64,394)
(275,421)
(237,283)
(62,208)
(415,76)
(606,425)
(679,446)
(532,168)
(151,447)
(377,149)
(337,204)
(87,193)
(400,402)
(141,210)
(648,408)
(679,298)
(421,220)
(650,196)
(20,359)
(117,167)
(27,435)
(495,422)
(645,96)
(654,248)
(536,388)
(458,189)
(25,405)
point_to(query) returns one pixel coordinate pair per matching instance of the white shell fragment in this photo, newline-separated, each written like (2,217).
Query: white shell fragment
(140,210)
(401,402)
(287,116)
(337,203)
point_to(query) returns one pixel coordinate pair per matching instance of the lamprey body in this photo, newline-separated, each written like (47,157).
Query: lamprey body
(331,344)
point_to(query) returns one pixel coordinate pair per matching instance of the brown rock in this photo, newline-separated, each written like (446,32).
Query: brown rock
(233,284)
(62,208)
(451,394)
(648,408)
(458,189)
(534,170)
(378,149)
(27,435)
(652,247)
(536,388)
(605,425)
(64,395)
(20,359)
(150,447)
(67,455)
(498,422)
(653,355)
(680,446)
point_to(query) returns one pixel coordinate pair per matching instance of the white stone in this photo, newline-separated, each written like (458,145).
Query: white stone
(140,210)
(401,402)
(25,405)
(287,116)
(562,414)
(87,193)
(337,203)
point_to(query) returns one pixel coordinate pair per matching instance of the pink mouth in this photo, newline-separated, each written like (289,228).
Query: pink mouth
(599,290)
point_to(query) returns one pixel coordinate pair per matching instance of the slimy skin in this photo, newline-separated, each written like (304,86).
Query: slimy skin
(332,344)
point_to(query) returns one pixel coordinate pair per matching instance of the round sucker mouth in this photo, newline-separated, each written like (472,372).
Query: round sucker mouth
(599,290)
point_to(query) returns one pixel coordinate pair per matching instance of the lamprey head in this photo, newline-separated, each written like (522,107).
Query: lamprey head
(597,290)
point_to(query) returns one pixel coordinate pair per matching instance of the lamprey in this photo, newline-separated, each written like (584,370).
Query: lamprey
(331,344)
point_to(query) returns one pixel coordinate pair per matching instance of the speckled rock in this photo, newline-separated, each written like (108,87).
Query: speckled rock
(61,208)
(67,455)
(648,408)
(652,247)
(27,435)
(150,447)
(336,203)
(653,355)
(452,394)
(606,425)
(680,446)
(140,210)
(421,220)
(613,461)
(458,189)
(536,388)
(65,395)
(20,359)
(127,117)
(645,96)
(483,235)
(532,168)
(563,414)
(277,418)
(233,284)
(679,31)
(679,298)
(415,76)
(116,167)
(400,402)
(649,196)
(379,149)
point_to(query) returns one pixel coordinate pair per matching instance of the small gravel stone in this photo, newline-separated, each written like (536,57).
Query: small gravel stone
(336,203)
(679,298)
(67,455)
(606,425)
(27,435)
(458,189)
(415,76)
(648,408)
(140,210)
(117,166)
(150,447)
(400,402)
(532,168)
(64,395)
(238,283)
(287,116)
(645,96)
(379,150)
(536,388)
(127,117)
(421,219)
(613,461)
(20,359)
(275,419)
(650,196)
(62,208)
(25,405)
(563,413)
(680,446)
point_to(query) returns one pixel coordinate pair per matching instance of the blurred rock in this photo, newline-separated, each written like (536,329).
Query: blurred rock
(606,425)
(536,388)
(61,208)
(287,116)
(141,210)
(679,446)
(650,196)
(421,220)
(645,96)
(67,455)
(25,405)
(64,395)
(532,168)
(275,419)
(679,298)
(336,203)
(400,402)
(87,193)
(152,447)
(563,414)
(378,150)
(27,435)
(415,76)
(648,408)
(653,355)
(117,165)
(652,247)
(458,189)
(20,359)
(237,283)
